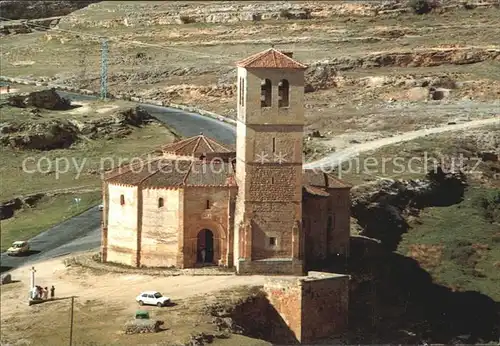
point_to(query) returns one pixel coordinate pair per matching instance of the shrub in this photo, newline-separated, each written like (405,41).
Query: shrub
(468,6)
(187,19)
(421,6)
(284,13)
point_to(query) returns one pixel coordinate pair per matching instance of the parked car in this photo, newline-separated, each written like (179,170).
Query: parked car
(101,207)
(152,298)
(18,248)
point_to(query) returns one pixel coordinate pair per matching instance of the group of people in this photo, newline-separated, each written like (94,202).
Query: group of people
(43,293)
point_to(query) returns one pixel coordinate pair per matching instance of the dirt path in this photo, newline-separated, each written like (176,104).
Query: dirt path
(86,285)
(339,157)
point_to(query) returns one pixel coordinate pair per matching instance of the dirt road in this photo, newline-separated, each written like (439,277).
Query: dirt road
(73,281)
(334,159)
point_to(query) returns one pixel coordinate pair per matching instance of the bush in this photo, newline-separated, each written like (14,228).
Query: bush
(187,20)
(284,13)
(421,6)
(468,6)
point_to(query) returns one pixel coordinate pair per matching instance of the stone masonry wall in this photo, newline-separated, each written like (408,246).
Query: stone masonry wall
(271,267)
(160,227)
(122,225)
(341,209)
(274,183)
(254,114)
(285,295)
(325,304)
(314,216)
(272,220)
(197,217)
(314,307)
(269,173)
(318,244)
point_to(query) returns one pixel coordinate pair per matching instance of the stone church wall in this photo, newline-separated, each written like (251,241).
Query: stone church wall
(274,220)
(122,225)
(341,208)
(215,218)
(315,216)
(319,244)
(160,227)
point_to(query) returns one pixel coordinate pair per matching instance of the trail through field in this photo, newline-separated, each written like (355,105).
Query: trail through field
(339,157)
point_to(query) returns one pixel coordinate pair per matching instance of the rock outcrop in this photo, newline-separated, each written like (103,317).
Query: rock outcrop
(7,209)
(53,134)
(45,99)
(116,125)
(416,58)
(58,134)
(381,210)
(13,9)
(157,13)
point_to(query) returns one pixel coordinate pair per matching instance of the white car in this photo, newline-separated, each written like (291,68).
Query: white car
(101,207)
(152,298)
(18,248)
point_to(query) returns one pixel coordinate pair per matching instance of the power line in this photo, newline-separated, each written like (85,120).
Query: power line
(104,68)
(71,321)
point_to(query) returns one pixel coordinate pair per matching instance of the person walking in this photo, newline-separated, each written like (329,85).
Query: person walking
(45,293)
(203,255)
(52,291)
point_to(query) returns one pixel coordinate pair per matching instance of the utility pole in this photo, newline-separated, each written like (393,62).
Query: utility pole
(71,325)
(104,68)
(32,282)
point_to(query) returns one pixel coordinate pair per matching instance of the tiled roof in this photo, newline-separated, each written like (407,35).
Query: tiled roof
(312,190)
(270,58)
(318,183)
(320,179)
(195,147)
(161,172)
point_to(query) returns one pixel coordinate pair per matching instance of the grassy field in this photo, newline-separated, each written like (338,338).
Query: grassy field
(459,244)
(48,212)
(62,171)
(413,159)
(77,166)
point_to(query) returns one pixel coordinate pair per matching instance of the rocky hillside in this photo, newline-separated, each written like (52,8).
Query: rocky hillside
(394,201)
(37,129)
(13,9)
(188,12)
(57,134)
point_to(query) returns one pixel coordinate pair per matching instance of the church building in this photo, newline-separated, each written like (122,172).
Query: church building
(253,208)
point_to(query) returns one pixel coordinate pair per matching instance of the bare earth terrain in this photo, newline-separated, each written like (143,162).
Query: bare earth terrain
(102,319)
(383,82)
(370,76)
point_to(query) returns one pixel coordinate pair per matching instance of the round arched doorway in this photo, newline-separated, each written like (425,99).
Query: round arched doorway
(205,245)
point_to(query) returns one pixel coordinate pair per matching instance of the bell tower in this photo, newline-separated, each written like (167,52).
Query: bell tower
(270,124)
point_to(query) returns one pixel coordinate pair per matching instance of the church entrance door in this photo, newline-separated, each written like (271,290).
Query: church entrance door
(205,246)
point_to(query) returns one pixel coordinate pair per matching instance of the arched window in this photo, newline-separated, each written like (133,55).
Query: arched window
(242,91)
(160,202)
(122,199)
(284,93)
(266,90)
(207,206)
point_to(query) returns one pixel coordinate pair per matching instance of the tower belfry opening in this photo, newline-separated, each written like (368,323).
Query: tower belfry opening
(277,76)
(264,212)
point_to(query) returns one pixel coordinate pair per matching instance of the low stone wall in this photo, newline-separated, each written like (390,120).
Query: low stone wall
(119,97)
(313,307)
(91,261)
(271,267)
